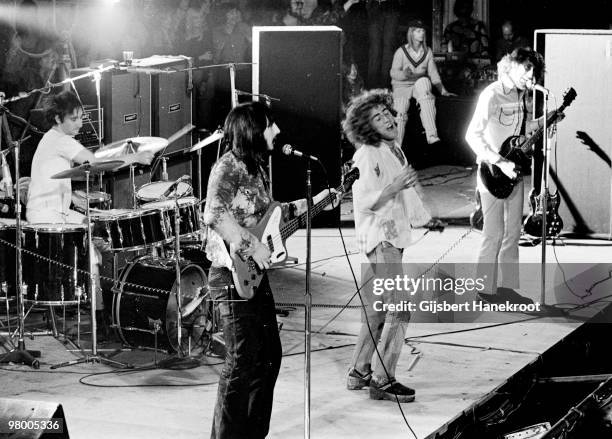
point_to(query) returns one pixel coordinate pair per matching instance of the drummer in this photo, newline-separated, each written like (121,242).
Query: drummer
(49,199)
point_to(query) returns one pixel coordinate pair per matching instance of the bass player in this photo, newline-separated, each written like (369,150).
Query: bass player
(237,199)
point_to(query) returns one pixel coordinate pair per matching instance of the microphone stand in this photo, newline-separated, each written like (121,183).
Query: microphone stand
(308,304)
(544,200)
(547,309)
(19,354)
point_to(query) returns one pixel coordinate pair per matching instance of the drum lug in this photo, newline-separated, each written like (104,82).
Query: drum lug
(142,230)
(120,233)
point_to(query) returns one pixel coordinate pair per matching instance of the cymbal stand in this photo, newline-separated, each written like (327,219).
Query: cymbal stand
(94,357)
(133,186)
(177,262)
(19,354)
(234,96)
(172,361)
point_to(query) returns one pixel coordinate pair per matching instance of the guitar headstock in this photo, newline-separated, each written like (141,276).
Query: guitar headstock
(568,96)
(349,178)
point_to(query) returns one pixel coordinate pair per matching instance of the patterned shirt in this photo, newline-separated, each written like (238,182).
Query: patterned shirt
(236,201)
(392,222)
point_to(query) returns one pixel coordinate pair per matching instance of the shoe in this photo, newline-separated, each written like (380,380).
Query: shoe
(509,295)
(433,139)
(392,391)
(504,295)
(356,380)
(490,298)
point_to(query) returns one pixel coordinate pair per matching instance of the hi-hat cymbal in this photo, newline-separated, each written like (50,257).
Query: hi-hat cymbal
(131,146)
(210,139)
(80,171)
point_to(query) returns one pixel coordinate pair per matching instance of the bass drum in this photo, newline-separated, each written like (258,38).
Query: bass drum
(145,302)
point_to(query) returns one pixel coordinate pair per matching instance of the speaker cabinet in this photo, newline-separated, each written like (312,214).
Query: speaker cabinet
(299,68)
(126,100)
(171,107)
(580,160)
(32,415)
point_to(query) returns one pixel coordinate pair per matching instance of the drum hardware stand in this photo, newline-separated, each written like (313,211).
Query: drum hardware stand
(133,186)
(164,174)
(156,326)
(94,357)
(19,354)
(171,362)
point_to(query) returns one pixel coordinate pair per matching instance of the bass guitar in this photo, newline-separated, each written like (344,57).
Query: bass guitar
(273,231)
(517,150)
(533,223)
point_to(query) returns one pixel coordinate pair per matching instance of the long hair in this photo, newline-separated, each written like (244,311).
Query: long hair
(244,133)
(527,57)
(61,105)
(412,42)
(357,125)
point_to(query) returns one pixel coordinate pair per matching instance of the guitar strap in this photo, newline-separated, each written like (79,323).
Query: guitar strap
(525,113)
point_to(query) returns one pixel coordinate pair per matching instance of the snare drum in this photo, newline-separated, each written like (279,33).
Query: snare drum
(97,200)
(188,215)
(155,191)
(56,274)
(129,229)
(136,310)
(7,257)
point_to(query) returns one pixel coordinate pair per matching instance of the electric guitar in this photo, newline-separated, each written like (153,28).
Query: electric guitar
(498,183)
(533,223)
(272,231)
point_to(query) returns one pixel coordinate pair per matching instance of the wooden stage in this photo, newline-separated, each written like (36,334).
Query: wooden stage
(453,373)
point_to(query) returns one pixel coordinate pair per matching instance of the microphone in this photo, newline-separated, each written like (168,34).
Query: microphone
(290,150)
(174,185)
(533,86)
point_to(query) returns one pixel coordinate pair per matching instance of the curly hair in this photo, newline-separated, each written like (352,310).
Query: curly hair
(527,57)
(357,125)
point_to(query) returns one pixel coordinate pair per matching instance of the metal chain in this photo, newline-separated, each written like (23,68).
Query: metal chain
(85,272)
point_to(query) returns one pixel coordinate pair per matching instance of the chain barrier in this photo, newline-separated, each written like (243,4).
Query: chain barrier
(85,272)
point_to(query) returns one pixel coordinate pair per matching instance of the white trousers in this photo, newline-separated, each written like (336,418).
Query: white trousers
(421,90)
(499,252)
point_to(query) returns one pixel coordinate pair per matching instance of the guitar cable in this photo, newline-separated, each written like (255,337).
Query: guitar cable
(363,305)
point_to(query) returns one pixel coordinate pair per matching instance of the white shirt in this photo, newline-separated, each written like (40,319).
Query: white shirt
(47,196)
(392,222)
(498,115)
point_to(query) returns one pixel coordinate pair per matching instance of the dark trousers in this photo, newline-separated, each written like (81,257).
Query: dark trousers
(383,20)
(252,359)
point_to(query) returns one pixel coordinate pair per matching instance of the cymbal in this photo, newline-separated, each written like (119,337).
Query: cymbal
(131,146)
(93,168)
(210,139)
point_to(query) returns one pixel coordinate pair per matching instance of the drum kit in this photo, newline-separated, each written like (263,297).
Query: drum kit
(58,257)
(158,298)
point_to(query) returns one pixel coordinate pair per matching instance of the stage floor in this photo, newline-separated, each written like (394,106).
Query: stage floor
(453,371)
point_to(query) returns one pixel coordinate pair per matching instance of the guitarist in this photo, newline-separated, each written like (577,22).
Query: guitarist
(238,196)
(500,113)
